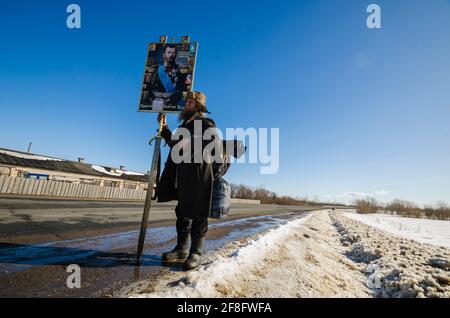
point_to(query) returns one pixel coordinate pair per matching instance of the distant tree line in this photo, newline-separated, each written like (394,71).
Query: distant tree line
(240,191)
(438,211)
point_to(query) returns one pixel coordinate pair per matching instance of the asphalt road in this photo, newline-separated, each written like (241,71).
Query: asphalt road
(39,239)
(33,221)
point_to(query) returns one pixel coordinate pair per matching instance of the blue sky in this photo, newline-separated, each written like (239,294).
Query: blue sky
(359,110)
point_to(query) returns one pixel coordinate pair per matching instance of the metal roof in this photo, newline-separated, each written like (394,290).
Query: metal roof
(62,165)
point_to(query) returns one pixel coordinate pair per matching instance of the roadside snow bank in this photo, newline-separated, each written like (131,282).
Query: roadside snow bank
(303,258)
(394,266)
(433,232)
(327,254)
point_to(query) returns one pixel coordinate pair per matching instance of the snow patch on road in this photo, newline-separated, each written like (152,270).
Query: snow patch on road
(434,232)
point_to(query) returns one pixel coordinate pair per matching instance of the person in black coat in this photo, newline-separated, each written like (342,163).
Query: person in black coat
(191,182)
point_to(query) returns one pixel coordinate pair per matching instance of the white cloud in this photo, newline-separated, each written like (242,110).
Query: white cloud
(375,193)
(354,194)
(350,196)
(380,193)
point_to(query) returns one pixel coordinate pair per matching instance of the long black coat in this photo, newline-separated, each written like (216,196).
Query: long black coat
(194,181)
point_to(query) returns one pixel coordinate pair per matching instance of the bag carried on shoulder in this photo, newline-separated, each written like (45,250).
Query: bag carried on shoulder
(221,199)
(221,194)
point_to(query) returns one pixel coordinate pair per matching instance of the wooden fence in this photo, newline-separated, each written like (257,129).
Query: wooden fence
(48,188)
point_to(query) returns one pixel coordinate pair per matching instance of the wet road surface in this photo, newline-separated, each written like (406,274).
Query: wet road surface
(108,260)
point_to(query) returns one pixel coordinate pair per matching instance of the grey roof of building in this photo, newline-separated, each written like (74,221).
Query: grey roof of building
(62,165)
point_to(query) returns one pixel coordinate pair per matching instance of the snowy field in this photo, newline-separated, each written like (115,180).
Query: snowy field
(433,232)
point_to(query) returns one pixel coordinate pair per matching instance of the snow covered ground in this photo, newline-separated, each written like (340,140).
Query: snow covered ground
(395,266)
(433,232)
(302,258)
(326,254)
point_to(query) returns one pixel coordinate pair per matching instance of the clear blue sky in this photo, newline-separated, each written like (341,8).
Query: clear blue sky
(359,110)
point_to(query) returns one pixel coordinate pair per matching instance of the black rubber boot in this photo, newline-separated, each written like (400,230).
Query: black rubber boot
(194,259)
(180,252)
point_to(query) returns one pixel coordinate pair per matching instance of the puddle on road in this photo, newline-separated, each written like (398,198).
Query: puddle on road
(118,249)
